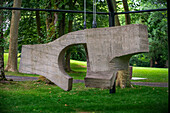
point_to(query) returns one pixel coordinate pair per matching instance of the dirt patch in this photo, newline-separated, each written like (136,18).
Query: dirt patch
(21,78)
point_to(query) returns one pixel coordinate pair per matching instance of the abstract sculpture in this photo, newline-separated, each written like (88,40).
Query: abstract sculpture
(109,50)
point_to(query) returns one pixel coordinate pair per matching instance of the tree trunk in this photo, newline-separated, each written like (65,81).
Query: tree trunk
(117,22)
(61,25)
(51,21)
(67,62)
(123,79)
(2,73)
(13,42)
(38,22)
(70,24)
(127,16)
(151,62)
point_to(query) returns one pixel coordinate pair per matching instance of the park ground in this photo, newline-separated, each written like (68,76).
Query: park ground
(39,97)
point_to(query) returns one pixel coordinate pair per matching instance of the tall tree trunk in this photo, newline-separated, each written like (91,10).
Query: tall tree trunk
(117,22)
(38,22)
(51,20)
(70,23)
(61,25)
(2,73)
(13,42)
(67,62)
(126,8)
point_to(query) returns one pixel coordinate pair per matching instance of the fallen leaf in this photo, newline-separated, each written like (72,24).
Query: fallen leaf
(66,105)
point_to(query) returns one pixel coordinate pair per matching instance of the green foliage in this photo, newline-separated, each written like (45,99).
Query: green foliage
(6,23)
(157,28)
(141,60)
(78,53)
(157,31)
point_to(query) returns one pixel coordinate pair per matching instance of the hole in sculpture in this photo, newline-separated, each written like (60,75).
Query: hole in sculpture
(75,63)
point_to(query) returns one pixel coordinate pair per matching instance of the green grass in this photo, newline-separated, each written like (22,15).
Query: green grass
(152,74)
(38,97)
(78,69)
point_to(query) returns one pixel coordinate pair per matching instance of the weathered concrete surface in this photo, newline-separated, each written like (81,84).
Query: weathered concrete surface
(109,51)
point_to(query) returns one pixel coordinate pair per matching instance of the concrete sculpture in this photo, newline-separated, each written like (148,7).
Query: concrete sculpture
(109,51)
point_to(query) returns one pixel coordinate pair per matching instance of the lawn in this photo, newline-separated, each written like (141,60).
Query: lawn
(39,97)
(152,74)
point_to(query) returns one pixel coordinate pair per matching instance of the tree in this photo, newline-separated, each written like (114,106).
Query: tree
(38,22)
(126,8)
(2,73)
(13,46)
(117,22)
(157,32)
(158,38)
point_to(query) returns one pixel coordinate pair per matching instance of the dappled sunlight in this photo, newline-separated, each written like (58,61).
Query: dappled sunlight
(78,66)
(79,69)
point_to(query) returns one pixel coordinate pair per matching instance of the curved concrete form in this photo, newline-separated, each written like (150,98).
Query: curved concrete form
(109,50)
